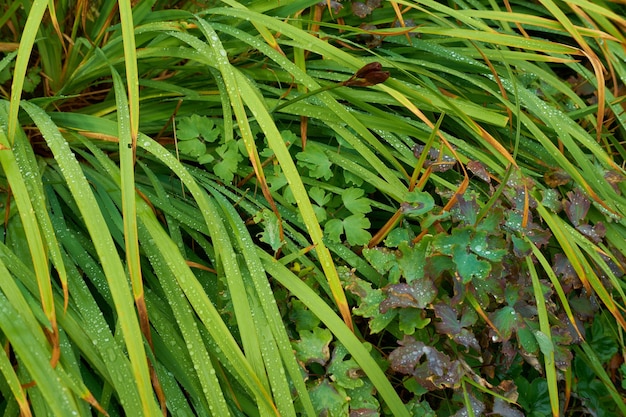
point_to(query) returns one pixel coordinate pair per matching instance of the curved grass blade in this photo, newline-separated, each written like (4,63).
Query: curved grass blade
(544,338)
(105,247)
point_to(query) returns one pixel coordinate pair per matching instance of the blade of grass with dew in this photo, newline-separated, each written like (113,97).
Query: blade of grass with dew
(544,337)
(34,235)
(107,252)
(127,119)
(205,310)
(321,309)
(31,347)
(273,321)
(563,234)
(556,284)
(202,366)
(191,287)
(285,160)
(234,86)
(590,357)
(29,33)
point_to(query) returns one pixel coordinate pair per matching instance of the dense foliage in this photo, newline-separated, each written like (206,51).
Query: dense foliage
(301,208)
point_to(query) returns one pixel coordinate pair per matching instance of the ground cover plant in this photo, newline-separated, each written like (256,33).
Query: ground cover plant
(312,208)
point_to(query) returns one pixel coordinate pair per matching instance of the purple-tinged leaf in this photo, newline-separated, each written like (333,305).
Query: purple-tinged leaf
(506,320)
(594,233)
(435,371)
(477,407)
(417,294)
(576,206)
(448,316)
(369,305)
(478,169)
(503,408)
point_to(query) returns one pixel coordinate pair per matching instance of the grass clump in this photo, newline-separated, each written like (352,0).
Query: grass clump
(270,208)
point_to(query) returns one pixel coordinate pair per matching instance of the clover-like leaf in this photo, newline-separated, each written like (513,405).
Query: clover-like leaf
(316,161)
(417,203)
(413,259)
(230,158)
(469,266)
(353,200)
(353,226)
(410,319)
(194,148)
(196,126)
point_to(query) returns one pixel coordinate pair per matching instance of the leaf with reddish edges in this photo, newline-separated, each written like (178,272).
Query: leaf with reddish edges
(344,370)
(469,266)
(410,319)
(576,206)
(369,305)
(313,346)
(478,169)
(417,294)
(451,326)
(506,320)
(412,260)
(431,368)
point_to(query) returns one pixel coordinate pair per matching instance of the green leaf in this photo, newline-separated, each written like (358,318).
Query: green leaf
(329,399)
(313,346)
(410,319)
(469,266)
(194,127)
(506,321)
(316,161)
(354,227)
(194,148)
(271,228)
(527,340)
(369,305)
(417,203)
(353,200)
(344,370)
(413,259)
(230,158)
